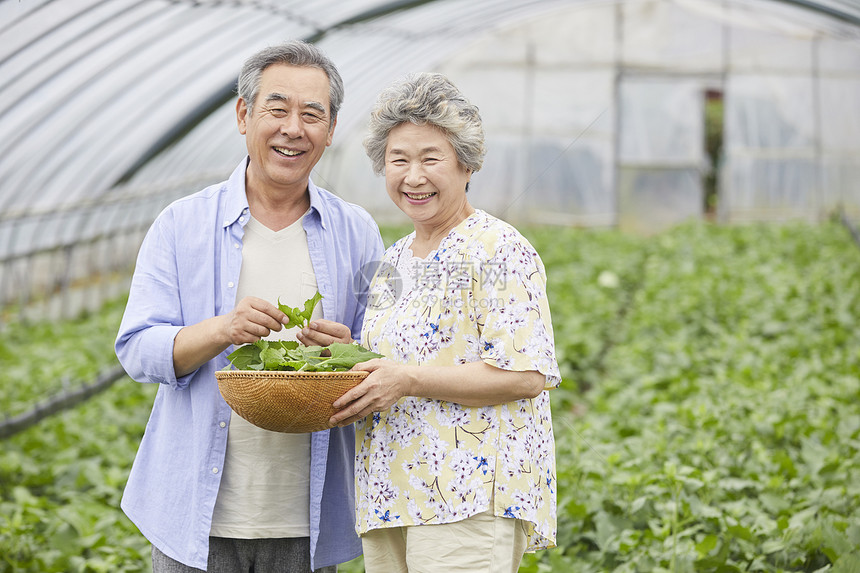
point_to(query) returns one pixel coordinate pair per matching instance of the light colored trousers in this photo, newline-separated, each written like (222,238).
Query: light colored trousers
(482,543)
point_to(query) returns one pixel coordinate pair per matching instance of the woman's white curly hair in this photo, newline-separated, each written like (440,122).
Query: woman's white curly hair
(426,99)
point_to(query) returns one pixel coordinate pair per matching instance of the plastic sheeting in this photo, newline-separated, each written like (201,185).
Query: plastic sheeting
(594,114)
(594,110)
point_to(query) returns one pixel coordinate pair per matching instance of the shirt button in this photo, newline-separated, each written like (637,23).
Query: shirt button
(241,219)
(214,470)
(236,245)
(230,284)
(223,424)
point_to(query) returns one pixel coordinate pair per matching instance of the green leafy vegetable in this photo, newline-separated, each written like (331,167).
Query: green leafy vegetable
(300,317)
(289,355)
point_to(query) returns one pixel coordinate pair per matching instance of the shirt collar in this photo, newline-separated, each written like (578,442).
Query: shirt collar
(317,202)
(237,199)
(236,203)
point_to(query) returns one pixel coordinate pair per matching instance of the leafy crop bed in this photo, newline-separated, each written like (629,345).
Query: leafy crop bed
(43,359)
(709,419)
(720,430)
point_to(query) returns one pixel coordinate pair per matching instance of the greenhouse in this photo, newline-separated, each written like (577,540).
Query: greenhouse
(688,171)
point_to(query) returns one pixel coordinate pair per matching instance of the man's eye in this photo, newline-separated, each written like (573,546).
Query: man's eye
(278,112)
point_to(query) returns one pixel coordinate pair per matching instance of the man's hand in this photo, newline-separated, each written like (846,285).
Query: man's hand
(252,319)
(323,332)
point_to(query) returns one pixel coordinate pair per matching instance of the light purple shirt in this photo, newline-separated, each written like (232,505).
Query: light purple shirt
(187,271)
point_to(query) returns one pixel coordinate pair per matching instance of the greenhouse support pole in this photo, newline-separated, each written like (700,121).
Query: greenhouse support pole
(616,96)
(725,40)
(820,194)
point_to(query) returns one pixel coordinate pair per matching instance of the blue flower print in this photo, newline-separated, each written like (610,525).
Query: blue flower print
(386,517)
(433,329)
(549,481)
(509,512)
(482,463)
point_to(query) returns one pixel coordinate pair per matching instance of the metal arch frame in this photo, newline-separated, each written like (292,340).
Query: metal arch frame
(847,11)
(826,8)
(228,91)
(369,67)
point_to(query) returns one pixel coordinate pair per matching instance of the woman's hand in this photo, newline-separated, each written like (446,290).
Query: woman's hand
(385,385)
(323,332)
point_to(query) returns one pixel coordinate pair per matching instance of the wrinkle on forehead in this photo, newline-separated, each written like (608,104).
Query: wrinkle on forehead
(278,97)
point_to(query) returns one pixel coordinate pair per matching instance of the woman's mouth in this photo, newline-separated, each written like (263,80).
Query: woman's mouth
(419,196)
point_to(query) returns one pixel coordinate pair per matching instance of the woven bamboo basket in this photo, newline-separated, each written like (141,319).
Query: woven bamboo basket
(285,401)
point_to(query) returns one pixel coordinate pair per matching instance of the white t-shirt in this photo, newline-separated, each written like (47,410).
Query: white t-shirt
(265,485)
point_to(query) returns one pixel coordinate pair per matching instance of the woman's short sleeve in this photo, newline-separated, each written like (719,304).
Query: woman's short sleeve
(513,311)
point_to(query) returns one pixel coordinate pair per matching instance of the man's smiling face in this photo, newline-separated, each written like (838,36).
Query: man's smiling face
(288,129)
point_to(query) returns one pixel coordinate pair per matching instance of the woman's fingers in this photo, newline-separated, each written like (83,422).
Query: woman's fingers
(349,416)
(376,393)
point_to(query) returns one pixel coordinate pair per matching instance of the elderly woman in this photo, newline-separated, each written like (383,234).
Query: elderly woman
(455,466)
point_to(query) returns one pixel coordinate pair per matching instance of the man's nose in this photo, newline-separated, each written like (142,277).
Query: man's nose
(291,126)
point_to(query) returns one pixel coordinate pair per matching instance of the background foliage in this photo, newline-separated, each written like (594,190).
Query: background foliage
(709,418)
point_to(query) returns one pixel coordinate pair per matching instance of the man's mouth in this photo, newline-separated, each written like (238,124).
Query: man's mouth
(419,196)
(287,152)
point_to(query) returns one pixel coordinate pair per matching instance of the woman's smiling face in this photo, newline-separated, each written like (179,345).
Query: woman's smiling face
(423,176)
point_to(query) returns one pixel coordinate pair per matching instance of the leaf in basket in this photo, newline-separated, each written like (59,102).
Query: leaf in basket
(340,356)
(272,357)
(246,357)
(289,355)
(251,357)
(298,316)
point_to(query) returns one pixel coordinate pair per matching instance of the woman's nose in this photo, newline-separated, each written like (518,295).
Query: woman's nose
(414,175)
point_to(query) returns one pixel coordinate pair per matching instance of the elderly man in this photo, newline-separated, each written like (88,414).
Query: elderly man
(209,490)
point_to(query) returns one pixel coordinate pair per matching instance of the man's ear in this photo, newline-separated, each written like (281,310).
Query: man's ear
(331,132)
(241,115)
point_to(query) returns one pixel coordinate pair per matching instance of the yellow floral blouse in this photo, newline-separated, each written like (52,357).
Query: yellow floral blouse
(480,296)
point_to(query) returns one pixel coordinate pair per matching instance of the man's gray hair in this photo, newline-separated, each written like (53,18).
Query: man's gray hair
(294,53)
(426,99)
